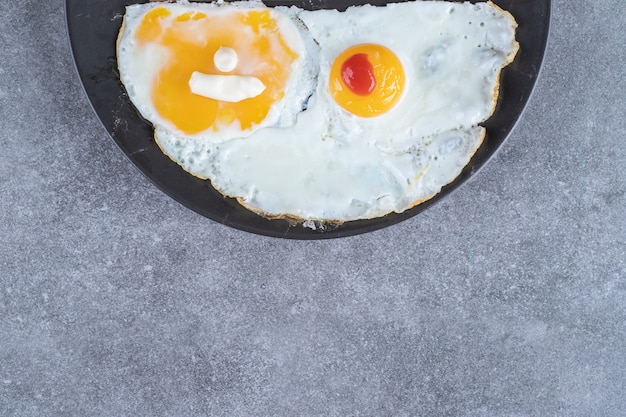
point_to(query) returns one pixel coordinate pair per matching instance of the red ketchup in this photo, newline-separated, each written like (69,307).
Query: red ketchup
(357,74)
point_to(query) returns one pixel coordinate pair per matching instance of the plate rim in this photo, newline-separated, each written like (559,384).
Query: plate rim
(351,228)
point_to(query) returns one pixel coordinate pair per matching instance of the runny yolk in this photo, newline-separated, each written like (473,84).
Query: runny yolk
(191,40)
(366,80)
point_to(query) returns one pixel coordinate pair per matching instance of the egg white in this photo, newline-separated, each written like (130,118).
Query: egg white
(304,172)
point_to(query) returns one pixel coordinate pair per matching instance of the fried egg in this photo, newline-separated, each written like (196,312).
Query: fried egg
(396,97)
(165,51)
(451,55)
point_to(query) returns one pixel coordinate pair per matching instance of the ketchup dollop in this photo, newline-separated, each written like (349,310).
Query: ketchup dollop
(357,74)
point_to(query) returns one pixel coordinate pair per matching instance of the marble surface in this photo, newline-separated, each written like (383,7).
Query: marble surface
(506,299)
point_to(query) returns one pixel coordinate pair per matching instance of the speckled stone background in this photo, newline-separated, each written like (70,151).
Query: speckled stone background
(506,299)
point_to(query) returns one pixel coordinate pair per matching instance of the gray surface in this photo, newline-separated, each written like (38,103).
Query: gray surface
(507,299)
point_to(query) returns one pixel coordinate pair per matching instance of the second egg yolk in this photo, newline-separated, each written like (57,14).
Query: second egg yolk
(191,40)
(367,80)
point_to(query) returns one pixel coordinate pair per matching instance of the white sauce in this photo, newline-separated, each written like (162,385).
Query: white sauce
(225,59)
(229,88)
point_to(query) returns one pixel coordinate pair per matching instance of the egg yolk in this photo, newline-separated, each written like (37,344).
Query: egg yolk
(366,80)
(191,40)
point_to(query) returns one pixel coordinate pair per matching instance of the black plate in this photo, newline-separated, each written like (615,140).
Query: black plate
(93,26)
